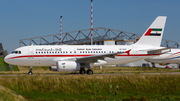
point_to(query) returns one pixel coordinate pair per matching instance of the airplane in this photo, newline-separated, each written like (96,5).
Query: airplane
(171,57)
(64,58)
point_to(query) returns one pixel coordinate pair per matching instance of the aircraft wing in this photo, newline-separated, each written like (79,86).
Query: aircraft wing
(162,50)
(95,58)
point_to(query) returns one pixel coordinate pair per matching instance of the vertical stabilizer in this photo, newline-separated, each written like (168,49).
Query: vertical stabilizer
(154,33)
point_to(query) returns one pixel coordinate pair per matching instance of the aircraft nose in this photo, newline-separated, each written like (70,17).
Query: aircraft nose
(6,59)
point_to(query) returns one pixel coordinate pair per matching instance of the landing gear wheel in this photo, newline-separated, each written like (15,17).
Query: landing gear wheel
(90,72)
(82,71)
(30,72)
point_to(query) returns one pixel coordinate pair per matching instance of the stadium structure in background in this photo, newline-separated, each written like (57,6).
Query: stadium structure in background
(83,37)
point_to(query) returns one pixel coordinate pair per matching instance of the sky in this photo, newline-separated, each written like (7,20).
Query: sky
(21,19)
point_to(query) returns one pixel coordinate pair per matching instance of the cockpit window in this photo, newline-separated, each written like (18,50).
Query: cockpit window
(16,52)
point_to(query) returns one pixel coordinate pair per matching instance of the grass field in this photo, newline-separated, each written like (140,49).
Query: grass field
(7,95)
(96,70)
(140,87)
(128,85)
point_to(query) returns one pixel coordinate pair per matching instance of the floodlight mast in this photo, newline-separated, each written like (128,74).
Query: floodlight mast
(91,22)
(61,30)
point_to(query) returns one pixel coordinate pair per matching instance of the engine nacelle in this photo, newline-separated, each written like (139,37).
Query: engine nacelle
(68,66)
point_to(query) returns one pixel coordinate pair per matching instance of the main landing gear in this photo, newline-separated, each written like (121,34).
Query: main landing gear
(82,70)
(30,70)
(89,71)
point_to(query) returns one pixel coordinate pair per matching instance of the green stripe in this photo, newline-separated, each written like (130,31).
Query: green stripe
(155,29)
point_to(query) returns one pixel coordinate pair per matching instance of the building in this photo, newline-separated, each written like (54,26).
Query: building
(1,50)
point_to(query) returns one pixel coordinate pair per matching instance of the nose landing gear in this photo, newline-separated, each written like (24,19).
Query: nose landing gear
(30,70)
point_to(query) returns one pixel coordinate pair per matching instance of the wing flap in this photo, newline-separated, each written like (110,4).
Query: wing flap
(95,58)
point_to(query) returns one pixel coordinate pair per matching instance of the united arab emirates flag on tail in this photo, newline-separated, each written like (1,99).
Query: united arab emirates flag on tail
(154,32)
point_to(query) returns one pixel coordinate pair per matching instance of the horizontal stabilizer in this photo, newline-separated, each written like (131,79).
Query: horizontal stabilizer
(162,51)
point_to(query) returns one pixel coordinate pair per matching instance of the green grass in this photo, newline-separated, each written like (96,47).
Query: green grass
(15,68)
(96,70)
(7,95)
(157,87)
(76,87)
(4,66)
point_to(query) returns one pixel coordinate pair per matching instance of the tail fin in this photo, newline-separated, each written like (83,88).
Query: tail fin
(154,33)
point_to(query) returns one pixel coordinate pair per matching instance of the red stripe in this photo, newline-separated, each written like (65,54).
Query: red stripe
(148,32)
(25,56)
(175,53)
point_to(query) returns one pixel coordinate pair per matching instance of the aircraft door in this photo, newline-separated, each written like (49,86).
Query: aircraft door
(30,53)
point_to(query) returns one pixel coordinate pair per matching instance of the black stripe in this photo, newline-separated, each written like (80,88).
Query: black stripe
(155,34)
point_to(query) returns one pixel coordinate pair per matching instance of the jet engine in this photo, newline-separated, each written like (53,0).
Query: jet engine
(68,66)
(63,66)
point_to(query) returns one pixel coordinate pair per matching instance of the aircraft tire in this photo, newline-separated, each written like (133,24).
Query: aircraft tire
(90,72)
(30,73)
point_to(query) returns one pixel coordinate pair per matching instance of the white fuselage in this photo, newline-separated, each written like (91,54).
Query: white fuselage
(48,55)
